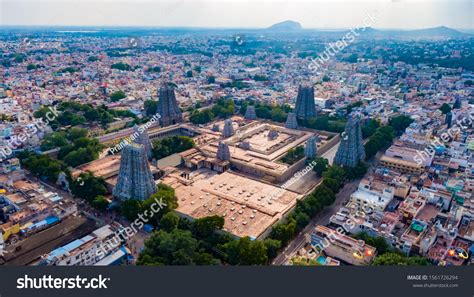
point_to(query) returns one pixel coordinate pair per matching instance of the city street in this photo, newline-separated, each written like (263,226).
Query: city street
(323,217)
(320,219)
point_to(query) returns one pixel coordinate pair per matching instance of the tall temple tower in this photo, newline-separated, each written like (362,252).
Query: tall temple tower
(135,180)
(273,134)
(457,102)
(311,147)
(228,130)
(250,113)
(168,108)
(351,149)
(142,138)
(291,122)
(223,152)
(305,107)
(449,119)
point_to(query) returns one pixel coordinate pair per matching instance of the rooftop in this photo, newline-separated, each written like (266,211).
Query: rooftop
(249,207)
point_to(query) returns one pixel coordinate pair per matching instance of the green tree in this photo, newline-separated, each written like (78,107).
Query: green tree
(369,128)
(42,165)
(117,95)
(75,133)
(205,227)
(400,123)
(77,120)
(88,187)
(156,69)
(278,115)
(335,172)
(100,203)
(325,195)
(20,58)
(54,140)
(293,155)
(378,242)
(445,108)
(169,221)
(320,165)
(246,252)
(396,259)
(166,198)
(201,117)
(150,107)
(302,219)
(178,247)
(171,145)
(121,66)
(130,209)
(273,246)
(379,140)
(332,184)
(357,172)
(31,67)
(284,231)
(224,108)
(211,79)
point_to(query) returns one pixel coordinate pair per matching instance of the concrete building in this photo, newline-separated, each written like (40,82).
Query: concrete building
(372,194)
(342,247)
(85,251)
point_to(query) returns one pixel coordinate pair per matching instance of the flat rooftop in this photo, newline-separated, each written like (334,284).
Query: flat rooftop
(106,167)
(249,207)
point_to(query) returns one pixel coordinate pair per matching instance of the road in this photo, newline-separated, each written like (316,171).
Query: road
(36,245)
(135,243)
(323,217)
(331,153)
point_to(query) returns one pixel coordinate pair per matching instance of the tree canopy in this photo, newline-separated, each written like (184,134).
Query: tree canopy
(171,145)
(396,259)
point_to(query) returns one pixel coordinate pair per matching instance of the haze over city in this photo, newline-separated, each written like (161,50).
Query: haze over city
(407,14)
(238,133)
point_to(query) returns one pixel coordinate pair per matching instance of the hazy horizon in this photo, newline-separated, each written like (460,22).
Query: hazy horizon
(238,14)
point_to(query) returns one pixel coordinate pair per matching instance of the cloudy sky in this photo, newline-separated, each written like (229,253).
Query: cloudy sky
(324,14)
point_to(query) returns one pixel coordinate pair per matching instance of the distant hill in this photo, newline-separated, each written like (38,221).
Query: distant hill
(437,32)
(286,26)
(428,33)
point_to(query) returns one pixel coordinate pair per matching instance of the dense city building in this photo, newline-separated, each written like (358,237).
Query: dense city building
(84,130)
